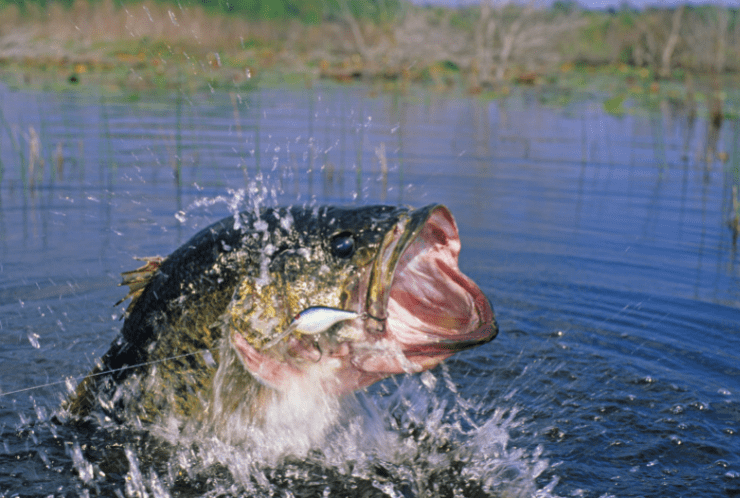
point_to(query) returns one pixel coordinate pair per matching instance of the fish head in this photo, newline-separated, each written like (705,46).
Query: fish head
(348,296)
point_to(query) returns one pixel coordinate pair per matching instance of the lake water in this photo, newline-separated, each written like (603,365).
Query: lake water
(602,241)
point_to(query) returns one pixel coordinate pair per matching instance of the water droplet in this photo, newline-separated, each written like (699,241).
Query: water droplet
(84,468)
(700,405)
(40,412)
(429,380)
(33,338)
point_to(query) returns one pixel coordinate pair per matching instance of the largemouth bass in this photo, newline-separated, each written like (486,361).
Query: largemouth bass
(330,298)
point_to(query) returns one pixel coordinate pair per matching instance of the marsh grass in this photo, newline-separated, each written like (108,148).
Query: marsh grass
(145,45)
(186,46)
(93,25)
(12,132)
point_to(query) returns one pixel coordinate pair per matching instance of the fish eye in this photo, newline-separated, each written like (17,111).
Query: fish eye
(343,245)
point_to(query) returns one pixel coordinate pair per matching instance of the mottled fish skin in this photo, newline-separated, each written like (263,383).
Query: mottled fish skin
(241,282)
(181,310)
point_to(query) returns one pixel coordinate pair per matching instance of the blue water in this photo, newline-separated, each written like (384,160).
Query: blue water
(603,243)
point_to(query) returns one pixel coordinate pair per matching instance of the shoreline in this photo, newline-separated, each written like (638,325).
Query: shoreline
(157,47)
(622,89)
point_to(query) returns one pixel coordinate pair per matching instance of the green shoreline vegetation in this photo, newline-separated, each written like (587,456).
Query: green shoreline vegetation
(483,49)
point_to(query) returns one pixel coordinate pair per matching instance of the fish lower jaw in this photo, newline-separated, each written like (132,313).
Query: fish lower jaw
(431,305)
(384,357)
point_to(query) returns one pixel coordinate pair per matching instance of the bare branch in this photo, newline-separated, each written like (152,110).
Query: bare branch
(722,25)
(355,28)
(670,46)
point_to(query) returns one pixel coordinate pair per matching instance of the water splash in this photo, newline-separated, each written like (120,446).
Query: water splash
(82,466)
(33,338)
(408,443)
(261,192)
(419,437)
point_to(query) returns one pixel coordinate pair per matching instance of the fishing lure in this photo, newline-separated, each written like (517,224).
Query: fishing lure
(312,321)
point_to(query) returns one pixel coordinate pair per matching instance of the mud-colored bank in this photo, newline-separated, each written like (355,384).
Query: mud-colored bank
(687,54)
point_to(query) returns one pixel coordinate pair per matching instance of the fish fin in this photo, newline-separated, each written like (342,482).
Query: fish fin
(138,279)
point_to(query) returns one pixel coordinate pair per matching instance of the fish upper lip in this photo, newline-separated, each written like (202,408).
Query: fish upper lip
(416,267)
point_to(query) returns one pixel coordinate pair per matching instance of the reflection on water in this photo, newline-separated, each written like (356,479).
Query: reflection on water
(640,175)
(603,241)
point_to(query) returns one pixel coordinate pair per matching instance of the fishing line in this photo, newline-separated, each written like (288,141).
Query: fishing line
(128,367)
(106,372)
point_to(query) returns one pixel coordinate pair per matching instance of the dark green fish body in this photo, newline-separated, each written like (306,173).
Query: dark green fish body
(212,331)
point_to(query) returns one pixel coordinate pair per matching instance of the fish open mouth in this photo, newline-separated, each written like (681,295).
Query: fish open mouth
(412,309)
(432,309)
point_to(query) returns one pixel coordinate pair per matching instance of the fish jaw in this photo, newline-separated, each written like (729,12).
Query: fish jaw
(268,370)
(414,308)
(431,309)
(302,364)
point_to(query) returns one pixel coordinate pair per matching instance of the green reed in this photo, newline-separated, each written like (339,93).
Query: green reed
(178,139)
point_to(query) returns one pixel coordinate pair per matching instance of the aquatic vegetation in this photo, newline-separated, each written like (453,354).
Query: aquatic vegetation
(191,45)
(614,105)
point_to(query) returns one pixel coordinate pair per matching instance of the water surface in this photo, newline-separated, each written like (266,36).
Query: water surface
(602,241)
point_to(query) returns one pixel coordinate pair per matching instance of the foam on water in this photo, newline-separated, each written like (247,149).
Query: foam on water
(410,442)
